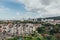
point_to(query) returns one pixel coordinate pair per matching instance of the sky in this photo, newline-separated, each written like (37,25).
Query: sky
(19,9)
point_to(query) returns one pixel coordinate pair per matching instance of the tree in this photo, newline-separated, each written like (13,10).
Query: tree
(40,30)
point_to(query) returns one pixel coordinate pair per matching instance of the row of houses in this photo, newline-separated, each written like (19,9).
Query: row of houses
(18,29)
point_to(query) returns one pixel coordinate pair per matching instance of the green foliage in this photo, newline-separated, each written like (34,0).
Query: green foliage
(27,38)
(47,24)
(15,38)
(40,30)
(40,37)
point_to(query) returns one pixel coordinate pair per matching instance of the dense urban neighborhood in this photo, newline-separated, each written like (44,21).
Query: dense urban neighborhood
(30,30)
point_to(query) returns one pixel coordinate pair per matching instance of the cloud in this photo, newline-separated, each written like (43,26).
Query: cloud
(3,9)
(33,9)
(45,8)
(45,2)
(24,15)
(6,13)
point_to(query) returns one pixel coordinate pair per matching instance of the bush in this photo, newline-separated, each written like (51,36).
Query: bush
(27,38)
(15,38)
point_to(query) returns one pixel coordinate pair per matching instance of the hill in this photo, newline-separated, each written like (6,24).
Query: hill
(55,18)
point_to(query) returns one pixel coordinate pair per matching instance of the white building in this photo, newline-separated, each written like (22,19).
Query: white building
(48,20)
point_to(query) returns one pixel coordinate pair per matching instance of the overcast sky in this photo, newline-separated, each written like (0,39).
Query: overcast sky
(19,9)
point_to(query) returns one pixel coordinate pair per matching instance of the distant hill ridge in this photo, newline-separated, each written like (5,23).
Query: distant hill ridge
(55,18)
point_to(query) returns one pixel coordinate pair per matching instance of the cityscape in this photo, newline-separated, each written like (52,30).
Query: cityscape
(29,19)
(24,30)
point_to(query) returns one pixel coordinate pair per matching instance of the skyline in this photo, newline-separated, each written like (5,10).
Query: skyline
(19,9)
